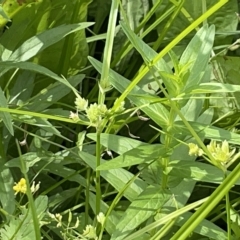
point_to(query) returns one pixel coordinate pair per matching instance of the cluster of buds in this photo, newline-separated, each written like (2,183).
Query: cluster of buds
(56,217)
(94,112)
(222,154)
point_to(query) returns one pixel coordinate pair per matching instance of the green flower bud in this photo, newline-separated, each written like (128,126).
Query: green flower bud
(81,104)
(194,150)
(90,232)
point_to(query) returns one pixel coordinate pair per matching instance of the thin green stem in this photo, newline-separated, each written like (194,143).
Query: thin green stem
(167,144)
(87,195)
(104,83)
(204,9)
(98,182)
(228,213)
(30,196)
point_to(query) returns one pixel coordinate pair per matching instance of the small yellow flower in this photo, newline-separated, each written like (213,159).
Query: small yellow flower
(221,152)
(21,186)
(194,150)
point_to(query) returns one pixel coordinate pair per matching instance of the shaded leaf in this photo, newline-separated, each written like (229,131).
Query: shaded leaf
(118,178)
(147,203)
(142,154)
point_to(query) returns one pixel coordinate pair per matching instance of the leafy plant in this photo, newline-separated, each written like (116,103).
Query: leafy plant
(125,114)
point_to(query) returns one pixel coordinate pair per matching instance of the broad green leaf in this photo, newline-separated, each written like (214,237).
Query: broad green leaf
(157,112)
(20,93)
(6,66)
(209,132)
(197,54)
(41,203)
(213,88)
(142,208)
(74,48)
(6,189)
(118,178)
(197,171)
(142,154)
(42,124)
(25,24)
(38,43)
(30,160)
(118,144)
(11,8)
(45,15)
(227,68)
(6,117)
(53,93)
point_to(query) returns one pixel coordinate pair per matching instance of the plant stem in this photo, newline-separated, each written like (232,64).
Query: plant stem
(228,213)
(98,182)
(30,196)
(104,83)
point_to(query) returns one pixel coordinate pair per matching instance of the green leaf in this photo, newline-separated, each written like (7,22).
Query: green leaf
(6,66)
(53,93)
(198,53)
(6,117)
(142,208)
(213,88)
(38,43)
(209,132)
(136,156)
(118,144)
(197,171)
(6,189)
(118,178)
(60,197)
(30,160)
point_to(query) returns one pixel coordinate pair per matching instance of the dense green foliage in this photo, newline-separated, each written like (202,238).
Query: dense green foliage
(119,119)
